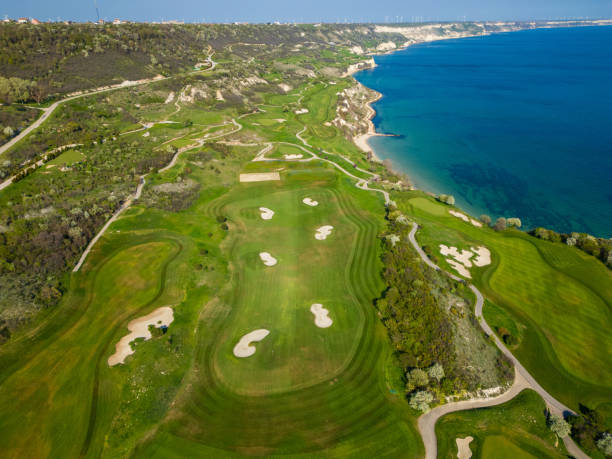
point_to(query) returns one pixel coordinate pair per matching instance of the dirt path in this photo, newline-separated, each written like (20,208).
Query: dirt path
(37,164)
(49,110)
(522,380)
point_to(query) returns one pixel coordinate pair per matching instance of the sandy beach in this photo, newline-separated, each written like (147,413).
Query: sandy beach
(362,140)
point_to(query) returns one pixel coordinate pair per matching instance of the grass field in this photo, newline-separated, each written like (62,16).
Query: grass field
(556,297)
(306,390)
(513,430)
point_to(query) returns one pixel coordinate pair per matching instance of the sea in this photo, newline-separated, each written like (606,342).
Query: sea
(515,124)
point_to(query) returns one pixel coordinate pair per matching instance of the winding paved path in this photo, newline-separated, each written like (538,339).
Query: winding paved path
(522,379)
(49,110)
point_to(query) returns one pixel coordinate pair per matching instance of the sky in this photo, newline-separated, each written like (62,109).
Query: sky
(306,10)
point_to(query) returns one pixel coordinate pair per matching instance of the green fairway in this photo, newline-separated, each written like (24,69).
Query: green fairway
(554,296)
(515,429)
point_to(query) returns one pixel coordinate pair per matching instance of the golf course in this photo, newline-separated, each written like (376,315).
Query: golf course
(204,263)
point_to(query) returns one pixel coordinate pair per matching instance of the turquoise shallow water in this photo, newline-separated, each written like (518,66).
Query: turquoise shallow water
(515,124)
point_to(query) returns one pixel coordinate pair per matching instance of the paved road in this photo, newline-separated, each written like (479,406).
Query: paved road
(522,378)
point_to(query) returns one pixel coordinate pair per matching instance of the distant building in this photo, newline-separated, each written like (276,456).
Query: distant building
(22,20)
(34,21)
(117,21)
(100,21)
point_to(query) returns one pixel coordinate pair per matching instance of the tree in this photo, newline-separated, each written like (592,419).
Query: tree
(514,222)
(436,371)
(605,444)
(484,218)
(558,425)
(500,224)
(447,199)
(420,400)
(416,378)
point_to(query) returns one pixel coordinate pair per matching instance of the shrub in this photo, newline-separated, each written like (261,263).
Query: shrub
(559,426)
(605,444)
(516,222)
(484,218)
(436,371)
(500,224)
(420,401)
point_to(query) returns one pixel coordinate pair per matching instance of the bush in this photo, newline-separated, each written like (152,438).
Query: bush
(420,401)
(485,219)
(559,426)
(516,222)
(500,224)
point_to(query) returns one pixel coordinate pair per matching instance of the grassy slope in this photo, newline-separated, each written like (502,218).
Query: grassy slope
(347,412)
(335,398)
(557,296)
(516,429)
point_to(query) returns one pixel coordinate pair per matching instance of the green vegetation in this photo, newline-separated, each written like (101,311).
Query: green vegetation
(403,335)
(554,301)
(515,429)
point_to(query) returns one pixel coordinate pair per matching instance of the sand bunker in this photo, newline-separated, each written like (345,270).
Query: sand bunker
(463,447)
(483,256)
(266,213)
(298,156)
(301,111)
(310,202)
(268,259)
(462,257)
(461,260)
(465,218)
(323,232)
(259,177)
(139,328)
(322,319)
(243,348)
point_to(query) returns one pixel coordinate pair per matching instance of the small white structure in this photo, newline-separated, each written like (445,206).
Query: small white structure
(322,319)
(267,259)
(244,348)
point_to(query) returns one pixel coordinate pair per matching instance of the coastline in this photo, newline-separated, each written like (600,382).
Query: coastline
(362,140)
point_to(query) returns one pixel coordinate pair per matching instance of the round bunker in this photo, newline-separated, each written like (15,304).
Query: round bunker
(244,348)
(266,213)
(268,259)
(323,232)
(310,202)
(322,319)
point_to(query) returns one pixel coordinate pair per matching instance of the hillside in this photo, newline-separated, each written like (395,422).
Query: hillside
(223,192)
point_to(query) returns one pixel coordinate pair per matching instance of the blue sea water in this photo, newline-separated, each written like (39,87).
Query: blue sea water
(516,124)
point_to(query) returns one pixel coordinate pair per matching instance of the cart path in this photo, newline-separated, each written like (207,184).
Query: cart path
(522,379)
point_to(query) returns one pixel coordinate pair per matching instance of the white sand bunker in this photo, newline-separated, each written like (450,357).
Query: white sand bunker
(296,156)
(139,328)
(483,256)
(268,259)
(301,111)
(310,202)
(323,232)
(322,319)
(243,348)
(461,260)
(465,218)
(266,213)
(463,447)
(259,177)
